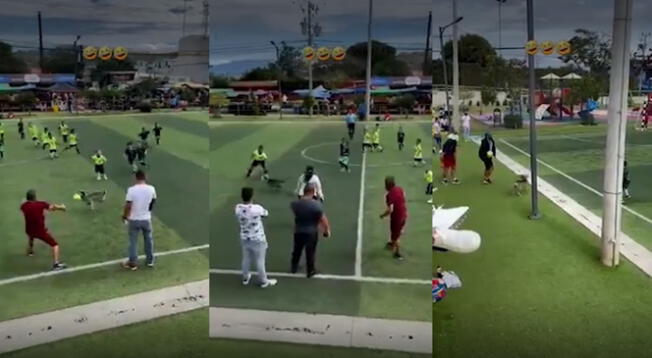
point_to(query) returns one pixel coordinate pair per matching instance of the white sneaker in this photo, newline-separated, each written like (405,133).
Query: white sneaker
(270,282)
(246,279)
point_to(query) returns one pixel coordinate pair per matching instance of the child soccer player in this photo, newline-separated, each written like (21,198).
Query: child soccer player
(45,138)
(366,140)
(99,160)
(418,153)
(64,131)
(130,155)
(90,197)
(258,158)
(52,145)
(436,135)
(449,153)
(626,181)
(33,132)
(21,128)
(376,139)
(144,133)
(400,137)
(72,141)
(429,177)
(2,131)
(2,148)
(157,133)
(344,156)
(141,153)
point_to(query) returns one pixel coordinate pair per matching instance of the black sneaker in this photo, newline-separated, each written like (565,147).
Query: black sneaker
(389,245)
(58,266)
(311,273)
(30,252)
(398,256)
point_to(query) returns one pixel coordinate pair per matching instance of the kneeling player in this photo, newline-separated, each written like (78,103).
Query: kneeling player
(258,158)
(34,213)
(366,140)
(99,160)
(344,156)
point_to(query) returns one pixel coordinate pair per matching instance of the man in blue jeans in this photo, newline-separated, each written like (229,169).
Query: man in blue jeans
(137,216)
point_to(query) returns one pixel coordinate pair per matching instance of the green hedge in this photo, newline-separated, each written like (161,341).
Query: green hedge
(513,121)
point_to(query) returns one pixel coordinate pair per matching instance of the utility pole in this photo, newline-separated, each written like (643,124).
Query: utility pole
(279,74)
(534,214)
(183,24)
(456,74)
(616,132)
(205,13)
(427,65)
(367,99)
(442,29)
(643,47)
(311,29)
(40,42)
(500,25)
(76,49)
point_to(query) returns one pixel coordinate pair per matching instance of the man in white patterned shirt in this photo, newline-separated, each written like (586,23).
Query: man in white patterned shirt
(252,238)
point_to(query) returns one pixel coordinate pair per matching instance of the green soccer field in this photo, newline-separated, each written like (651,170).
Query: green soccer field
(572,159)
(91,240)
(290,147)
(534,288)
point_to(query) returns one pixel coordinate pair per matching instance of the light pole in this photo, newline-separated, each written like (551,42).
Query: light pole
(500,24)
(534,215)
(76,49)
(367,99)
(279,74)
(442,29)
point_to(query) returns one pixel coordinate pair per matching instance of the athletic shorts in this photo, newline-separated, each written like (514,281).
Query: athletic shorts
(35,139)
(53,150)
(448,161)
(99,169)
(396,228)
(65,138)
(256,163)
(418,160)
(366,145)
(488,163)
(43,236)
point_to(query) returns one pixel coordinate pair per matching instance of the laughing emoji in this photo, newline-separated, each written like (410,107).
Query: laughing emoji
(90,53)
(547,47)
(563,48)
(105,53)
(120,53)
(338,53)
(309,53)
(323,53)
(531,47)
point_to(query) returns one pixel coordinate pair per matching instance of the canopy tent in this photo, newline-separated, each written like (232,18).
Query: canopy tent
(317,92)
(388,91)
(61,88)
(6,88)
(551,76)
(228,92)
(193,85)
(572,76)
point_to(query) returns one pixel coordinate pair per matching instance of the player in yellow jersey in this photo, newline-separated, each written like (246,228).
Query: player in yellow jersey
(52,146)
(258,158)
(418,153)
(45,138)
(99,161)
(375,139)
(33,132)
(73,141)
(64,131)
(367,138)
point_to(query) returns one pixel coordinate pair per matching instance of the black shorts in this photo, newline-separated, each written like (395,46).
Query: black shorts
(488,163)
(366,145)
(99,169)
(53,150)
(256,163)
(65,138)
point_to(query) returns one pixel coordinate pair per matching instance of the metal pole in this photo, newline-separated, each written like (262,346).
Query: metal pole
(278,78)
(500,26)
(367,99)
(76,49)
(427,66)
(443,61)
(533,126)
(40,42)
(310,61)
(456,73)
(616,132)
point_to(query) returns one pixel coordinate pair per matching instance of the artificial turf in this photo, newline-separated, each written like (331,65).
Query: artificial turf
(534,288)
(186,335)
(88,237)
(289,145)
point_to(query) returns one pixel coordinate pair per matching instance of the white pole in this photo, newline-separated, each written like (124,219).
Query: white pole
(367,99)
(456,73)
(616,131)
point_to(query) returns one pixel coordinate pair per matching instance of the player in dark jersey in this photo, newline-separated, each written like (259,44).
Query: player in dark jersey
(157,133)
(130,155)
(144,133)
(400,138)
(344,156)
(141,153)
(21,128)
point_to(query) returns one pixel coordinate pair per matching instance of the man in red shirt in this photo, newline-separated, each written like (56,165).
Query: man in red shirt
(34,213)
(397,211)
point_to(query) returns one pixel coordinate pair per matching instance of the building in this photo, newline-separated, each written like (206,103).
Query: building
(191,63)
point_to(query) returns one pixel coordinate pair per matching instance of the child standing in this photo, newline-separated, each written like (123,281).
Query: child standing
(400,137)
(99,160)
(344,156)
(418,153)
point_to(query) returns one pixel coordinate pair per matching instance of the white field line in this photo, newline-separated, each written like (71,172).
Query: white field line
(75,321)
(633,251)
(95,265)
(594,191)
(321,329)
(370,279)
(358,244)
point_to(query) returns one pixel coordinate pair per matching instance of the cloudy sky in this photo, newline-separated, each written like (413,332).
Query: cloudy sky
(555,20)
(241,30)
(142,25)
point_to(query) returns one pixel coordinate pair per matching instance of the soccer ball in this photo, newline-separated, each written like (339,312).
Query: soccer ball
(76,196)
(265,177)
(490,154)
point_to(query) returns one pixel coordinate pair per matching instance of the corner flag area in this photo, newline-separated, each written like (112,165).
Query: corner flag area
(539,286)
(358,278)
(93,243)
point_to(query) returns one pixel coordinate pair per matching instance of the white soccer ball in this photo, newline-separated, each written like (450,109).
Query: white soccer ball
(490,154)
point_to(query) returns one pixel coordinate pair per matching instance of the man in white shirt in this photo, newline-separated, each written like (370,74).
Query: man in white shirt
(309,177)
(137,215)
(466,126)
(252,238)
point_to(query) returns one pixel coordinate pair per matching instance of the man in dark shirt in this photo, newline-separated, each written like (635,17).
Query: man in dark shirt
(397,211)
(130,155)
(308,217)
(157,133)
(400,138)
(34,213)
(144,133)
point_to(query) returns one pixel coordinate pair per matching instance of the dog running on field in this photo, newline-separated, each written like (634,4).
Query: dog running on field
(520,185)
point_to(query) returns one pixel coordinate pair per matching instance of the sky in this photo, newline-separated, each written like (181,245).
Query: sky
(241,30)
(555,20)
(142,25)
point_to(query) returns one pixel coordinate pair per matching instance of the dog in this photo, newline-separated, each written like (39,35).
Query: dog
(520,185)
(275,184)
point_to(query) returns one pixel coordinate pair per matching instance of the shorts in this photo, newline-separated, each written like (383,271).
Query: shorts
(256,163)
(488,163)
(99,169)
(65,138)
(35,139)
(448,161)
(344,160)
(43,236)
(53,150)
(366,145)
(396,228)
(418,160)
